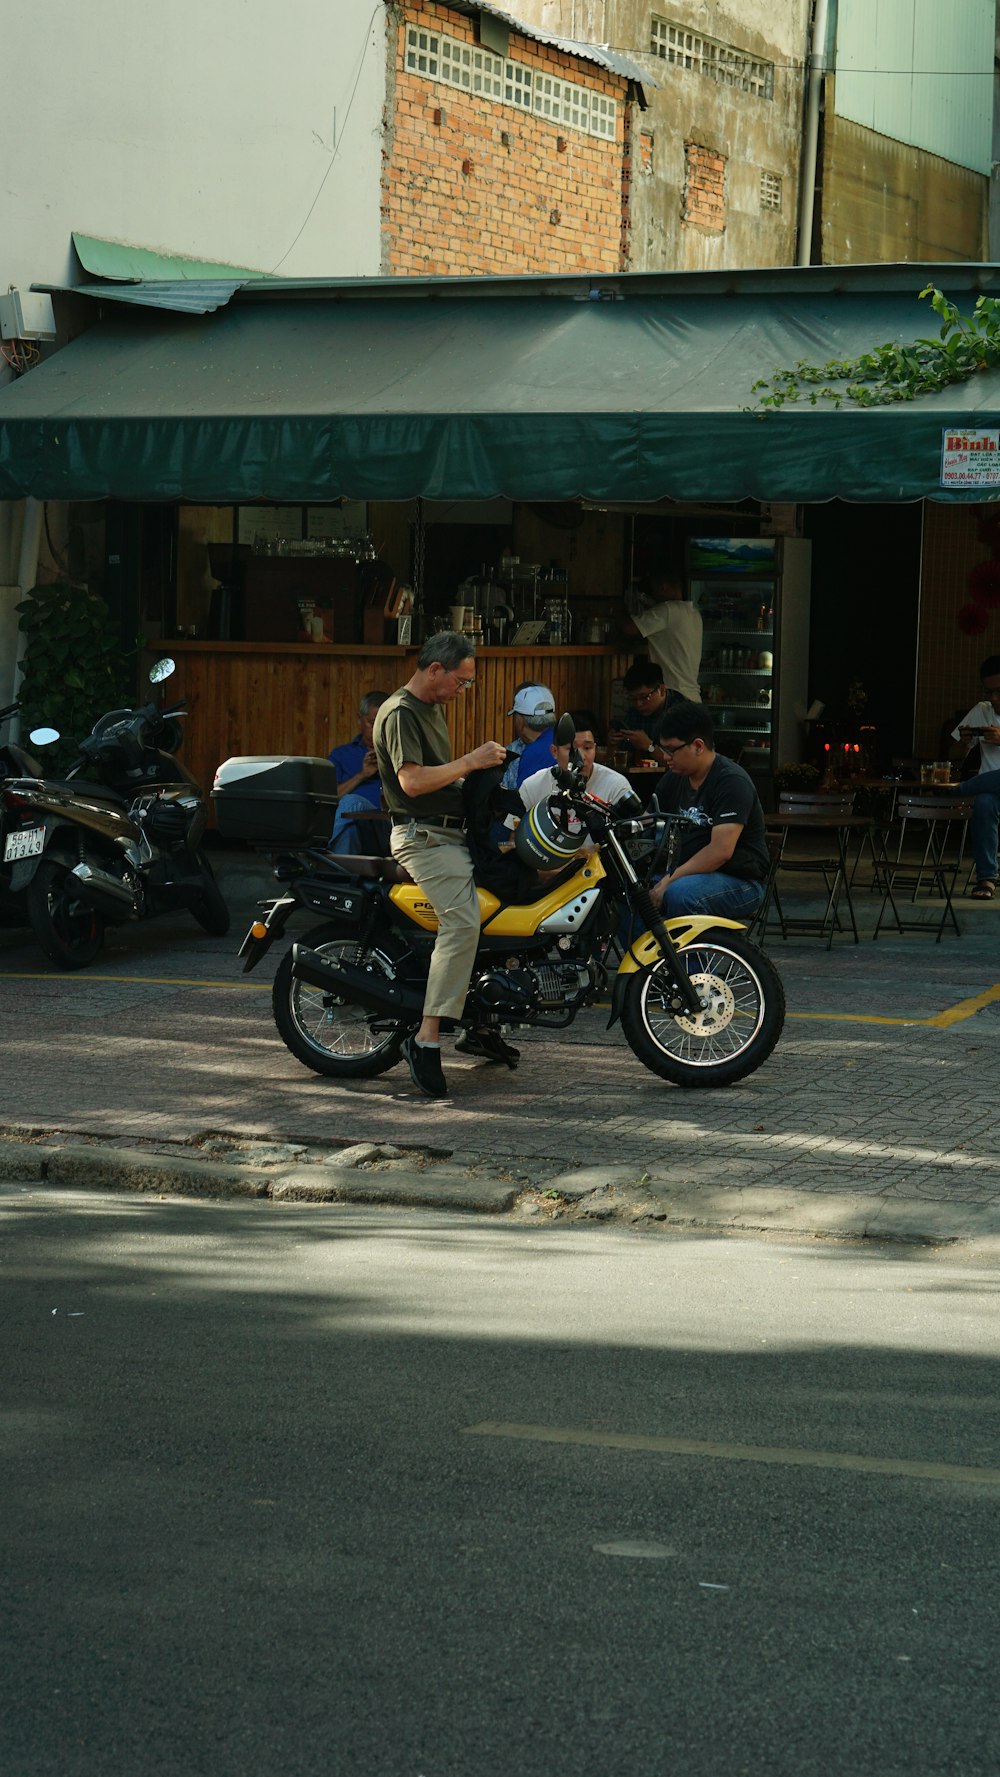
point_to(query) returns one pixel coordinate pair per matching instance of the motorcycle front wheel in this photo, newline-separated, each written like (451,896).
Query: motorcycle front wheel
(70,933)
(324,1031)
(737,1030)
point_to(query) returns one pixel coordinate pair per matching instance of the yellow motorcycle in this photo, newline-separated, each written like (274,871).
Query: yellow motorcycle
(699,1004)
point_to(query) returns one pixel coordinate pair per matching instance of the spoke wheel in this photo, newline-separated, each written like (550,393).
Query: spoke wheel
(742,1017)
(325,1032)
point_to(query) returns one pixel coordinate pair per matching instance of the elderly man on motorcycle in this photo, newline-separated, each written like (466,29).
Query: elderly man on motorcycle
(420,788)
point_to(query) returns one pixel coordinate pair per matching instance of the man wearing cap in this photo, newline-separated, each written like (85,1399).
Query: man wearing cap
(534,713)
(522,734)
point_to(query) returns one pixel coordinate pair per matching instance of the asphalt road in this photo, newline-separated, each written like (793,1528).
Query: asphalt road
(407,1495)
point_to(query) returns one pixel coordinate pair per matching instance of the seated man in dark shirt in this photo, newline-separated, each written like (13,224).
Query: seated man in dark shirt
(648,719)
(721,869)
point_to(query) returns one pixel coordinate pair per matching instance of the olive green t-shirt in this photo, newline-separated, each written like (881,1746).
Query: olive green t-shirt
(410,732)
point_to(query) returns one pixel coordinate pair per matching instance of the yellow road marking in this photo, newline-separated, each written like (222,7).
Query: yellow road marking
(827,1459)
(858,1018)
(130,980)
(940,1021)
(966,1008)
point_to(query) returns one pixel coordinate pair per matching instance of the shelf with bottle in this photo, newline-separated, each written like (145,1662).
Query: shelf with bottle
(736,629)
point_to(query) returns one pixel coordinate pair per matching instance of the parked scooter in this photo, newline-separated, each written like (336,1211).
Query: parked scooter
(117,839)
(16,761)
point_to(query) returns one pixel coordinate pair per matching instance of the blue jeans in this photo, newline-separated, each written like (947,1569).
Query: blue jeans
(731,897)
(367,837)
(985,789)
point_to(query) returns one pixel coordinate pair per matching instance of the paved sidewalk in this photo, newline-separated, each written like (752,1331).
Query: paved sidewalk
(874,1116)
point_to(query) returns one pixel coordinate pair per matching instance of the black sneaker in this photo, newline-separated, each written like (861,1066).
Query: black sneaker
(425,1068)
(488,1045)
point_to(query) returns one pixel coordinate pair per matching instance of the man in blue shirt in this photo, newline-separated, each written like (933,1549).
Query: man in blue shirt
(534,710)
(359,788)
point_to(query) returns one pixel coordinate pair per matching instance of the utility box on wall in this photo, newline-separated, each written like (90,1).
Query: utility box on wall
(25,314)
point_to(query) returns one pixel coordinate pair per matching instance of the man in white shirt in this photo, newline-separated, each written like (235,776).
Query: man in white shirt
(601,781)
(982,724)
(672,626)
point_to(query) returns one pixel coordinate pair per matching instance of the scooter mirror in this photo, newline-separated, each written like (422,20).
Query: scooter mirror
(43,737)
(162,670)
(565,730)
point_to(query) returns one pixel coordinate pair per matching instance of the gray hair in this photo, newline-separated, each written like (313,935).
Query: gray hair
(371,701)
(448,649)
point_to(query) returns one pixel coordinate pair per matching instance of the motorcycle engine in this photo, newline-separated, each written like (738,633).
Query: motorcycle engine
(518,992)
(512,991)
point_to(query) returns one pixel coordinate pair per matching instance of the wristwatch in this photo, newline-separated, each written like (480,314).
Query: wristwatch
(651,749)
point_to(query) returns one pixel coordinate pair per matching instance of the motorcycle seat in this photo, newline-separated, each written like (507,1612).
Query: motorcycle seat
(81,786)
(374,869)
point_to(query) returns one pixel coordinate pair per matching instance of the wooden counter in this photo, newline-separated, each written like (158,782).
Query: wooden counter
(291,697)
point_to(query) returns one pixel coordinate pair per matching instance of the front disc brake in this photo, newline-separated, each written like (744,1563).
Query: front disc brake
(718,1008)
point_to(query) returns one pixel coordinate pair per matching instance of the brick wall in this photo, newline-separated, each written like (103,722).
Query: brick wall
(471,185)
(704,202)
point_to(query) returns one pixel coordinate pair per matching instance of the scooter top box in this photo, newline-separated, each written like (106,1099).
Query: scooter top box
(273,799)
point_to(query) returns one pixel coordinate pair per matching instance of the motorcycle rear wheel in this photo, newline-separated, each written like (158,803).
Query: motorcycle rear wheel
(726,1042)
(70,933)
(324,1032)
(210,910)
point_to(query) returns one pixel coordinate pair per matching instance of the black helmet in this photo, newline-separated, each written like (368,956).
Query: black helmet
(549,834)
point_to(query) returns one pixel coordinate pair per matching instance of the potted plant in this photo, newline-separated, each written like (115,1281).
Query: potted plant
(74,668)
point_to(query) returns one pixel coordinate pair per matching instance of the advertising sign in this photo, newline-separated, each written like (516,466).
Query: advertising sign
(970,458)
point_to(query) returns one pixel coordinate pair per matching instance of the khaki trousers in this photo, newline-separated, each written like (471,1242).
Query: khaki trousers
(438,860)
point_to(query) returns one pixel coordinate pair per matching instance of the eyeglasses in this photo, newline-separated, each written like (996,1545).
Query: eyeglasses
(679,748)
(646,696)
(463,684)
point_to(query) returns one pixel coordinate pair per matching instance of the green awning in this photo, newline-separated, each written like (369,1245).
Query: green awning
(623,389)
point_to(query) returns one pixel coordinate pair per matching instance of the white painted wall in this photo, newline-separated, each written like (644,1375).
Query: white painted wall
(210,130)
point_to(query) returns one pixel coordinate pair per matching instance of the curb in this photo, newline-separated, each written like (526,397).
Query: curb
(592,1195)
(67,1164)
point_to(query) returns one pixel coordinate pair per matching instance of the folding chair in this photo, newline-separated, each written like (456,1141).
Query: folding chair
(825,807)
(757,926)
(942,822)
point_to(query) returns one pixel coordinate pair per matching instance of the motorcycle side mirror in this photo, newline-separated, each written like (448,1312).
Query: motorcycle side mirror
(565,730)
(162,670)
(43,737)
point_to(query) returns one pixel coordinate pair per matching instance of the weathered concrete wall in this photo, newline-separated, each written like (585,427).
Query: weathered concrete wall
(694,120)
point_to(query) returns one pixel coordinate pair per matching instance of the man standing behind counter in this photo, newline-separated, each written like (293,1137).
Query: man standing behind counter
(419,785)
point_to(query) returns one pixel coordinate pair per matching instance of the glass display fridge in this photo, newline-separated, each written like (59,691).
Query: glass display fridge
(753,595)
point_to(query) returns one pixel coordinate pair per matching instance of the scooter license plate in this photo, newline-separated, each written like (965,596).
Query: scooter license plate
(26,842)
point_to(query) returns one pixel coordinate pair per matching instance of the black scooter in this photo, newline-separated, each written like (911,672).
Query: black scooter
(117,839)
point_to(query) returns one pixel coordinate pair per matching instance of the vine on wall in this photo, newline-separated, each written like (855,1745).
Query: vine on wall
(891,372)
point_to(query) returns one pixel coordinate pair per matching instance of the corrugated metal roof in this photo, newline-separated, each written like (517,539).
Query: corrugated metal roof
(203,296)
(601,53)
(128,263)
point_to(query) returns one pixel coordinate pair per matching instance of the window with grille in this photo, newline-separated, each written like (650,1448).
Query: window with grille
(423,52)
(770,191)
(721,62)
(517,85)
(476,70)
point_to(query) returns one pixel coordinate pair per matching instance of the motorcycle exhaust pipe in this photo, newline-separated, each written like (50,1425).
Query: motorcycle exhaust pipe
(361,987)
(107,895)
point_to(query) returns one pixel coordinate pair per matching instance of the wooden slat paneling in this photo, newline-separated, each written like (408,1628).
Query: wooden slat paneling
(256,698)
